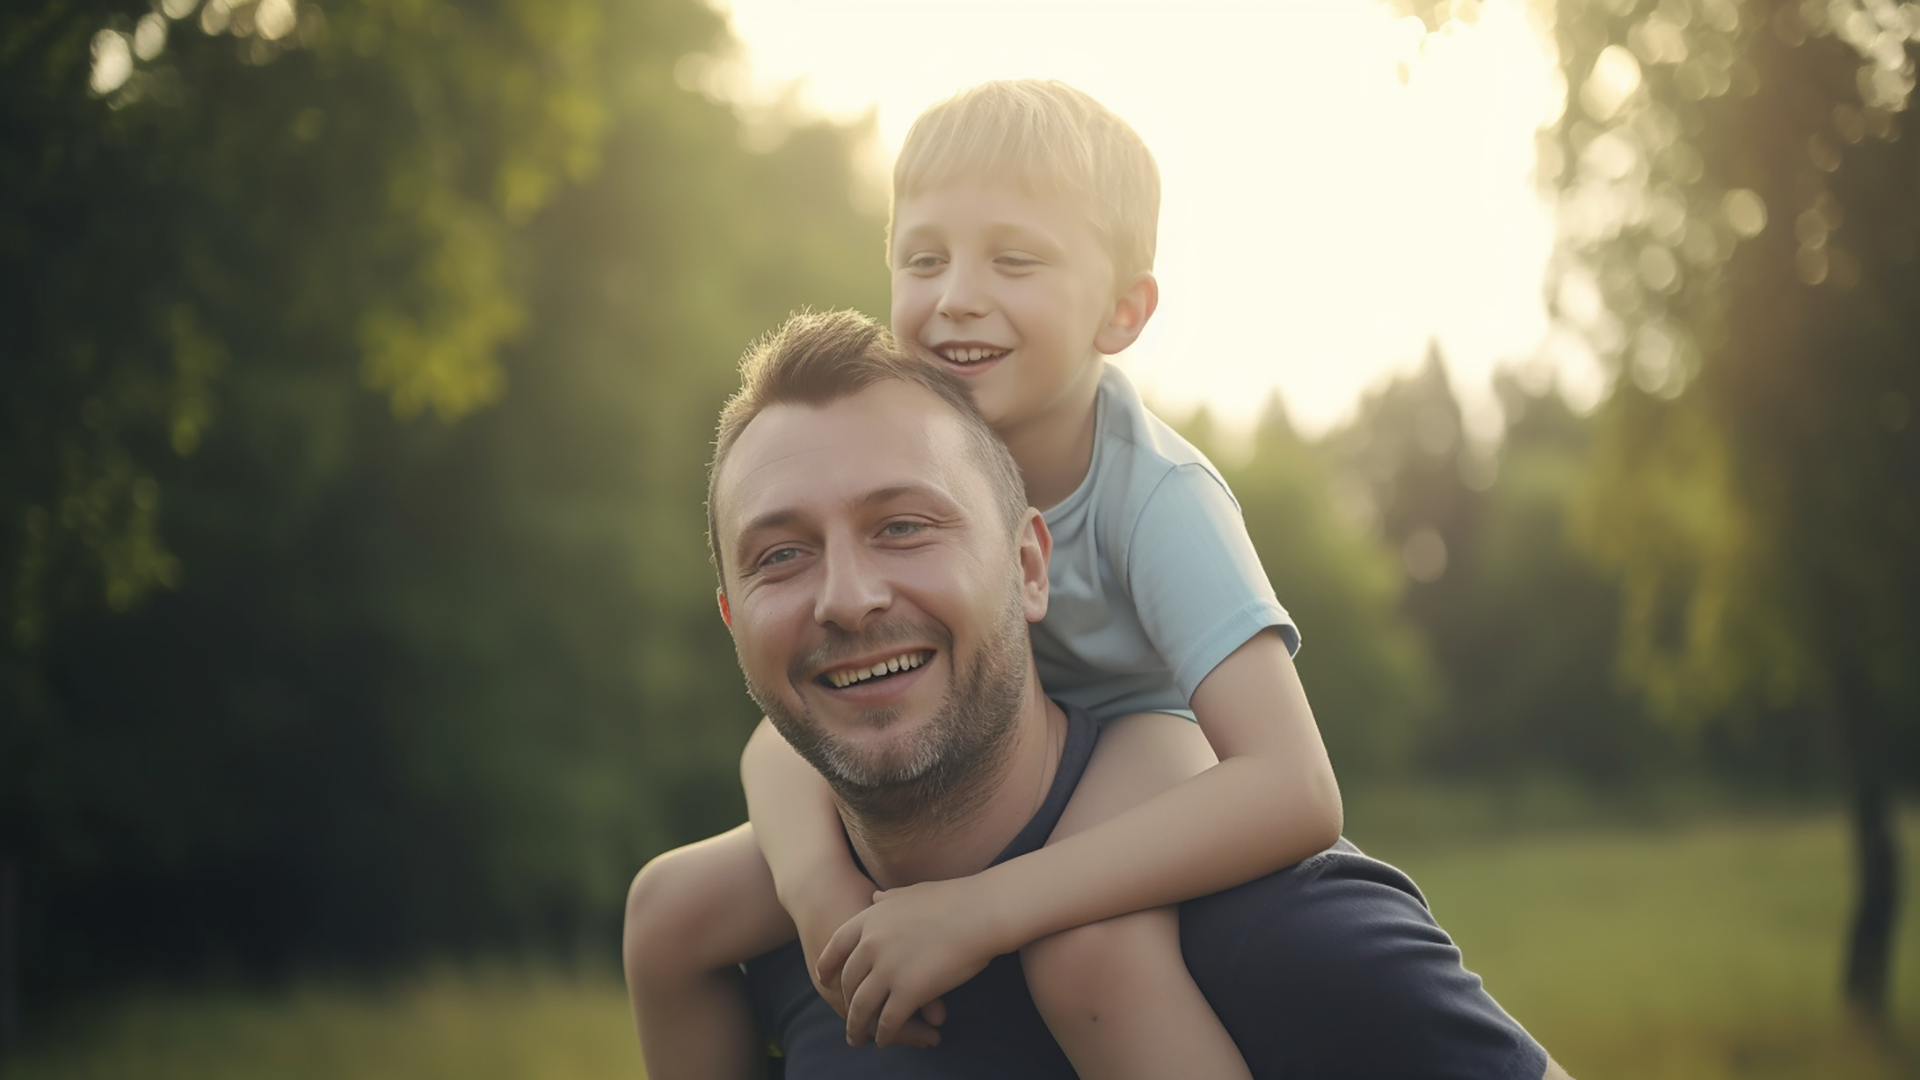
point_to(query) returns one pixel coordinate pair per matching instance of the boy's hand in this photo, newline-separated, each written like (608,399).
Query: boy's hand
(899,955)
(830,909)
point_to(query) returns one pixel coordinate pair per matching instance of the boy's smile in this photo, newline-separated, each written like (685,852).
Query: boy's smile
(1014,292)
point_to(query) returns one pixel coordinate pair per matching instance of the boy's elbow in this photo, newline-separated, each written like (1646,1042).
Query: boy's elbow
(1323,816)
(1332,827)
(1333,811)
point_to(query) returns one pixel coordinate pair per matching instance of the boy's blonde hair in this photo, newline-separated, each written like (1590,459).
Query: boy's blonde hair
(1048,138)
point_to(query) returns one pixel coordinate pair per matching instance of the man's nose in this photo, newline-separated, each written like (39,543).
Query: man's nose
(851,588)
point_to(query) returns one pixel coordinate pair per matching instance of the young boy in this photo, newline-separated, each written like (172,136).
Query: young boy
(1021,248)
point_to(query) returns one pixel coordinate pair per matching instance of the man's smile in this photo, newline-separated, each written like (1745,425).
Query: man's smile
(848,675)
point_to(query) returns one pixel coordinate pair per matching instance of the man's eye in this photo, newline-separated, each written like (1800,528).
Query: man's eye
(779,555)
(897,530)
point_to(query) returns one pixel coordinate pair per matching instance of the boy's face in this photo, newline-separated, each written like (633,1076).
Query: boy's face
(1013,291)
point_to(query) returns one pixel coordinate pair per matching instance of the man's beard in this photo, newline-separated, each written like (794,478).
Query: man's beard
(939,772)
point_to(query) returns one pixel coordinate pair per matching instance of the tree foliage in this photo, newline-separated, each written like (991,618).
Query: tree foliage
(1519,625)
(361,374)
(1366,670)
(1740,209)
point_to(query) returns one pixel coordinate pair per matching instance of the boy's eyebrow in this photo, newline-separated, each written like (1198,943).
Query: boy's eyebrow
(995,230)
(1040,241)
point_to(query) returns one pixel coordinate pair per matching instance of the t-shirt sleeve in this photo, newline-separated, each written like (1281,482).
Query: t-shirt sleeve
(1336,969)
(1194,577)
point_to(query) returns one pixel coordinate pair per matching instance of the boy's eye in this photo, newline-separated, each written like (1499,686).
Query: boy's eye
(923,261)
(1018,262)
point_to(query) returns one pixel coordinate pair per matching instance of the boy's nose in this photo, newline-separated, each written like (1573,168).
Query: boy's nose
(963,295)
(851,589)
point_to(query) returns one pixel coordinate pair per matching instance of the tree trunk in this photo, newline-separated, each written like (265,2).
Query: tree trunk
(9,957)
(1876,854)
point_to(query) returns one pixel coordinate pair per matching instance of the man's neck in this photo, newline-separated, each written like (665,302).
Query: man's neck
(936,846)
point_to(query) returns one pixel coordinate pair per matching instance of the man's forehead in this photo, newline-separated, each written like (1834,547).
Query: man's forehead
(890,435)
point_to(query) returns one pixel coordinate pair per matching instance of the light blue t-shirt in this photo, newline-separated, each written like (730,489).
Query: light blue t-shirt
(1153,580)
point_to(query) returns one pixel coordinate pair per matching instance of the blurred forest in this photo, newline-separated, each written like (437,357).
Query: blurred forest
(361,366)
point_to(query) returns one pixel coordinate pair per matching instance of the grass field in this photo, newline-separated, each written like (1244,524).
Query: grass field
(1700,951)
(1710,950)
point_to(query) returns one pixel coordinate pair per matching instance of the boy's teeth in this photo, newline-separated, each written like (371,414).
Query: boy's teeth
(971,356)
(904,662)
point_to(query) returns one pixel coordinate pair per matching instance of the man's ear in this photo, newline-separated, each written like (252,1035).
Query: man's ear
(1034,546)
(1131,310)
(726,614)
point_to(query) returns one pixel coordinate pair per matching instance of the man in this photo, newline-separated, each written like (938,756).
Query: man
(862,513)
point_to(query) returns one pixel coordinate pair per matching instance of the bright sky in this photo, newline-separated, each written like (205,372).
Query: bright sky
(1321,220)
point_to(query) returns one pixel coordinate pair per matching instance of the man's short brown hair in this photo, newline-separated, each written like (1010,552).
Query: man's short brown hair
(818,358)
(1046,137)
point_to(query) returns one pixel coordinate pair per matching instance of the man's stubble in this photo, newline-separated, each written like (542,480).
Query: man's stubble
(942,772)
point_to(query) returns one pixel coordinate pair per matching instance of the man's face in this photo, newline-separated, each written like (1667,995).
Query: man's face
(1014,291)
(878,600)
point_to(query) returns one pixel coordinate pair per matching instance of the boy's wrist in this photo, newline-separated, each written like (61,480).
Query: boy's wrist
(999,918)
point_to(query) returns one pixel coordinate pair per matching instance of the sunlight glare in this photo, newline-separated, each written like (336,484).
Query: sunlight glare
(1340,187)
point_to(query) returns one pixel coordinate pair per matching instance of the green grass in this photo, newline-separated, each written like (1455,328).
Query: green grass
(1700,951)
(1695,951)
(492,1025)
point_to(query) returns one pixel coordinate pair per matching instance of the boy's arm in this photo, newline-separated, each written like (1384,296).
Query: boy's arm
(800,835)
(1270,802)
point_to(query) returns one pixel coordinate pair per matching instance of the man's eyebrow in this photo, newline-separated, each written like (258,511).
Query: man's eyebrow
(772,519)
(892,492)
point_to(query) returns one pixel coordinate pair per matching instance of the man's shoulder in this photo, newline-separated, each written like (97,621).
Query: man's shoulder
(1321,960)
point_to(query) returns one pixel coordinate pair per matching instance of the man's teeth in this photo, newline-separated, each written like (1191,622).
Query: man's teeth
(971,356)
(904,662)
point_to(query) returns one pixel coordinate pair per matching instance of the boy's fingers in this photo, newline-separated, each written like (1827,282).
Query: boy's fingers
(862,1009)
(863,996)
(892,1019)
(833,958)
(934,1012)
(918,1034)
(853,974)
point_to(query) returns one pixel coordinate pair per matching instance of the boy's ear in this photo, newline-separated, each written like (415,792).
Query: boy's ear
(726,614)
(1131,310)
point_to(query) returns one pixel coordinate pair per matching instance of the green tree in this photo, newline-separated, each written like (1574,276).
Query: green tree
(1519,625)
(1364,666)
(1535,631)
(413,319)
(255,184)
(1403,466)
(1739,213)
